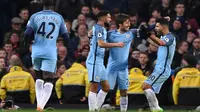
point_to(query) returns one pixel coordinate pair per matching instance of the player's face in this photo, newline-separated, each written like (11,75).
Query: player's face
(159,28)
(126,25)
(108,18)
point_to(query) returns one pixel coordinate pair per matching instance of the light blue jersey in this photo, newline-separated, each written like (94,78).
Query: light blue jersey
(46,25)
(117,68)
(165,53)
(118,57)
(95,59)
(96,54)
(162,68)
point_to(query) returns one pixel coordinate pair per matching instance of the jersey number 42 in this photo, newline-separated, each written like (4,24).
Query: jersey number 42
(42,31)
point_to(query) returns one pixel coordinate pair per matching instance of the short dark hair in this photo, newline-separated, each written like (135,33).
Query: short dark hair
(158,9)
(162,21)
(48,3)
(102,13)
(81,59)
(121,18)
(97,4)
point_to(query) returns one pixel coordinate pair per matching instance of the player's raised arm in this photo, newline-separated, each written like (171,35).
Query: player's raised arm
(166,42)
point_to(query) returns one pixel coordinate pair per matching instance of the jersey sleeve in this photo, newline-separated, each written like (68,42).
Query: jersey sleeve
(99,33)
(63,28)
(169,39)
(31,22)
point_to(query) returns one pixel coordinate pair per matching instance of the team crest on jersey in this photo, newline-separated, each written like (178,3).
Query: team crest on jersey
(99,35)
(128,36)
(166,39)
(97,77)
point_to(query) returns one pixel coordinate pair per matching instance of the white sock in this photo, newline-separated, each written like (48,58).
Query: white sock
(152,100)
(100,99)
(46,94)
(92,101)
(123,103)
(39,89)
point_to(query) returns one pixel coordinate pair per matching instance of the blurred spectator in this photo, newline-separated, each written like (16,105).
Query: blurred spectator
(60,69)
(134,20)
(195,51)
(198,65)
(72,87)
(182,49)
(133,59)
(112,26)
(75,42)
(16,27)
(62,56)
(3,68)
(187,78)
(69,27)
(3,54)
(81,19)
(14,40)
(179,30)
(152,21)
(9,49)
(84,51)
(24,15)
(191,35)
(135,93)
(152,49)
(156,13)
(69,9)
(145,64)
(179,11)
(59,42)
(96,7)
(192,24)
(165,6)
(27,60)
(18,83)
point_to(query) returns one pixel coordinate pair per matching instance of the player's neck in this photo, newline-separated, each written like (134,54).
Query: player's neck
(165,32)
(100,23)
(120,31)
(47,8)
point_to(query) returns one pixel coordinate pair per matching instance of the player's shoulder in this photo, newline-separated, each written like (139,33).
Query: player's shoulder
(170,35)
(98,27)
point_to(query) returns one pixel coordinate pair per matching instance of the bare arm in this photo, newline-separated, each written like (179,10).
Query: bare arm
(103,44)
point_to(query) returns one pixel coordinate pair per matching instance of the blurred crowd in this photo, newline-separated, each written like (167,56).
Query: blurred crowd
(71,85)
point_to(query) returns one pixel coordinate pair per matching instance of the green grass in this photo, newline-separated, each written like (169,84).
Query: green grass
(72,110)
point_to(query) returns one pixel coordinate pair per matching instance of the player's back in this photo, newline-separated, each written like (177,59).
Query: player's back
(118,57)
(166,53)
(96,54)
(46,25)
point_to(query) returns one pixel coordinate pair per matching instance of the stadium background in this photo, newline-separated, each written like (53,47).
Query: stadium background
(184,23)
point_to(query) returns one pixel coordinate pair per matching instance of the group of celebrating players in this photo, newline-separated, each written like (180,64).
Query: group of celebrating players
(46,26)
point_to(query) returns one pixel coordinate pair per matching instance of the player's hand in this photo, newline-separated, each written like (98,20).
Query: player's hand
(83,99)
(120,44)
(90,33)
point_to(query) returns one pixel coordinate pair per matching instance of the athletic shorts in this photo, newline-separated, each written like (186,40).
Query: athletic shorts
(157,78)
(43,64)
(96,73)
(120,77)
